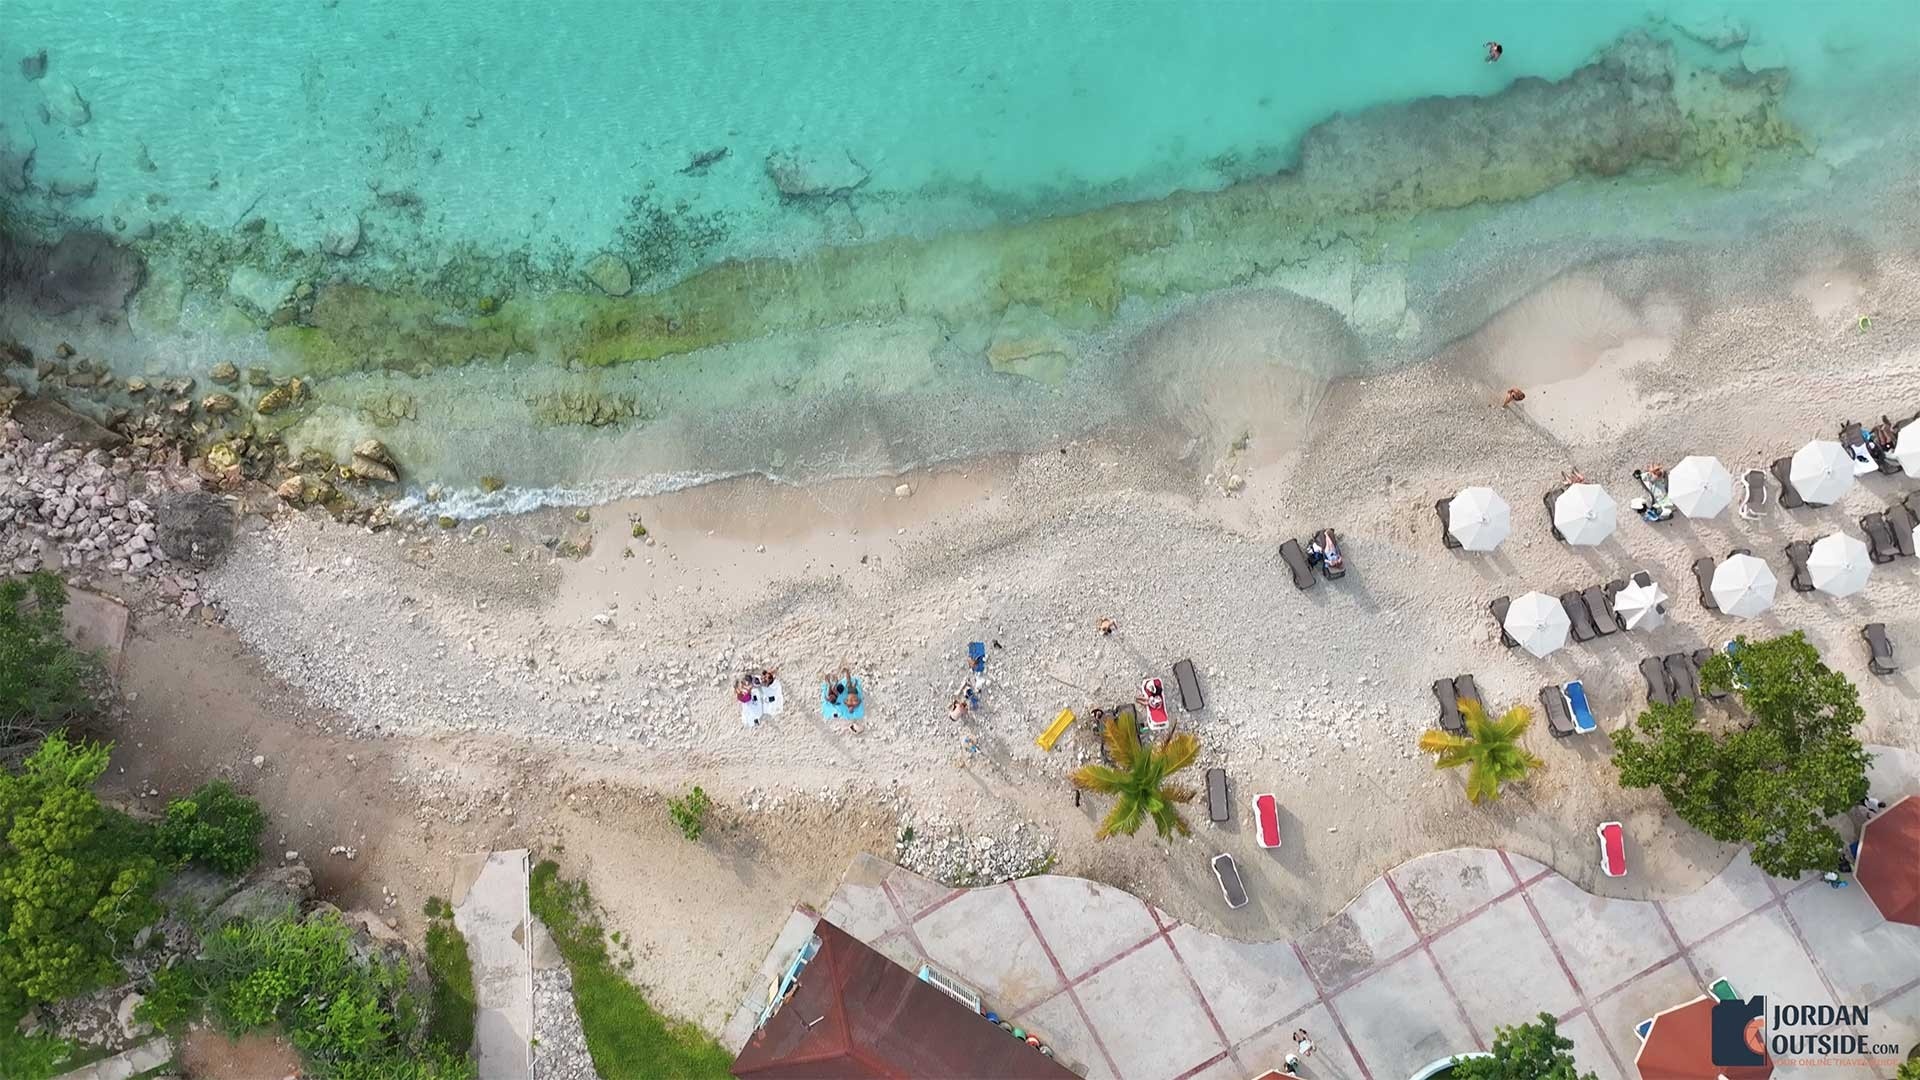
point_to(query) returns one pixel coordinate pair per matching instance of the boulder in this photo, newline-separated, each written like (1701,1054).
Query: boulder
(218,404)
(368,469)
(16,161)
(290,489)
(224,373)
(43,419)
(130,1028)
(375,450)
(33,66)
(342,235)
(280,397)
(64,103)
(191,892)
(279,891)
(194,528)
(1715,29)
(802,175)
(254,289)
(610,274)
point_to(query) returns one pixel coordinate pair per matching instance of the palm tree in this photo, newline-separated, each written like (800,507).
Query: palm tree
(1137,777)
(1490,749)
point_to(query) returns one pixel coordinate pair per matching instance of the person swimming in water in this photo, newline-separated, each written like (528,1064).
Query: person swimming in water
(1493,51)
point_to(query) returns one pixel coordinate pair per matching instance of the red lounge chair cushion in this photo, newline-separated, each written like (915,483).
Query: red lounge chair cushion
(1266,818)
(1613,849)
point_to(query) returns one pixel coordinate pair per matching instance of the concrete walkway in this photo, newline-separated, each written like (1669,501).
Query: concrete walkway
(1424,963)
(144,1057)
(490,908)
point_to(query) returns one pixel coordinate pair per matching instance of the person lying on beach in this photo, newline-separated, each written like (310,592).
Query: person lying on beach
(1105,626)
(1514,394)
(743,690)
(836,685)
(767,676)
(957,711)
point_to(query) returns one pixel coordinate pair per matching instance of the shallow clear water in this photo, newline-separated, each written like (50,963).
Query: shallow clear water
(479,154)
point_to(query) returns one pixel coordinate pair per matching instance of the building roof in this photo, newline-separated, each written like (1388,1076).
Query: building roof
(855,1013)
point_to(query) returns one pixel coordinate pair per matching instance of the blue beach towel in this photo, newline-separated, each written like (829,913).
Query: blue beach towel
(841,712)
(1577,703)
(977,652)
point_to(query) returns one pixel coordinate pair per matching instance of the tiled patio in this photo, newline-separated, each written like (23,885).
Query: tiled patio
(1422,964)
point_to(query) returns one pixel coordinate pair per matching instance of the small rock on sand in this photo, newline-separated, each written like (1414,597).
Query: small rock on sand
(902,490)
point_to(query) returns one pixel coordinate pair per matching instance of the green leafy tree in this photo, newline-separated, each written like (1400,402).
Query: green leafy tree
(1773,782)
(216,826)
(42,678)
(1137,779)
(1535,1051)
(1490,749)
(1910,1068)
(76,879)
(690,813)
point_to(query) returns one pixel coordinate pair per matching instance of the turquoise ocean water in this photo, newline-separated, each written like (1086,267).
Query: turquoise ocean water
(442,131)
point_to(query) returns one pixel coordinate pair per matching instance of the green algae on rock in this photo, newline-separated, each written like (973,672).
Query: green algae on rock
(1635,107)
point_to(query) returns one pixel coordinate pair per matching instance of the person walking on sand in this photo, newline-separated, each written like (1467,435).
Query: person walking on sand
(1514,394)
(1301,1044)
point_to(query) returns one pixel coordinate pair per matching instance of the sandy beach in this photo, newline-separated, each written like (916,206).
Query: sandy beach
(509,693)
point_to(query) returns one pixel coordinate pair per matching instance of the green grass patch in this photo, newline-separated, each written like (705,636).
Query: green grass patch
(450,1012)
(35,1057)
(625,1035)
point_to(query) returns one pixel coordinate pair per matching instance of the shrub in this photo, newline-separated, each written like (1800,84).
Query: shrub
(1533,1051)
(349,1017)
(690,813)
(1772,783)
(75,877)
(42,678)
(216,826)
(33,1057)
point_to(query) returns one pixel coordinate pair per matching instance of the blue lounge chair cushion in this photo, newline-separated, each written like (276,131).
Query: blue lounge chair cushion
(1643,1029)
(841,712)
(1577,702)
(977,652)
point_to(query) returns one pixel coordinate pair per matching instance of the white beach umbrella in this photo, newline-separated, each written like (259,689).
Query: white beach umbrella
(1822,471)
(1538,623)
(1479,518)
(1700,486)
(1640,605)
(1839,564)
(1584,514)
(1906,449)
(1743,586)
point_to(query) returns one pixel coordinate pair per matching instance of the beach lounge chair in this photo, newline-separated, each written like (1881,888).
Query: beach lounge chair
(1188,681)
(1681,673)
(1449,697)
(1880,659)
(1703,573)
(1600,608)
(1580,624)
(1644,1028)
(1468,692)
(1553,703)
(1798,553)
(1446,524)
(1881,546)
(1550,498)
(1500,608)
(1296,560)
(1266,819)
(1753,494)
(1613,849)
(1659,688)
(1218,808)
(1902,521)
(1700,658)
(1228,874)
(1722,990)
(1783,472)
(1576,693)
